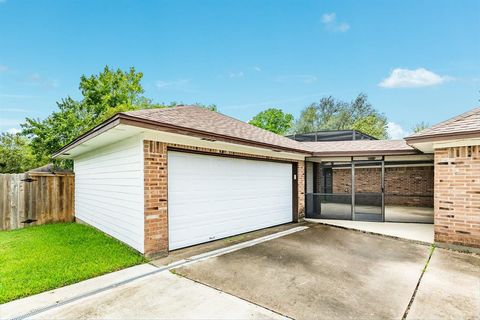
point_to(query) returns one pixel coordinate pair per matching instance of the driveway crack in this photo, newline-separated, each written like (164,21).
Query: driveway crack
(405,315)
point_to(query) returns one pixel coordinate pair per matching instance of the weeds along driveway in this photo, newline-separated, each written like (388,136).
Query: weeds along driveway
(320,272)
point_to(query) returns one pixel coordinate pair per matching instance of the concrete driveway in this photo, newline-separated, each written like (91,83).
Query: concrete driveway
(319,272)
(334,273)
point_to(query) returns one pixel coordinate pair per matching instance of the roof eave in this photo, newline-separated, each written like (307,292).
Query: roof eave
(122,118)
(366,153)
(443,137)
(104,126)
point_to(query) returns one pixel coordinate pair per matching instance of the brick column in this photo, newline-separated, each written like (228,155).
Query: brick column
(457,196)
(301,190)
(155,198)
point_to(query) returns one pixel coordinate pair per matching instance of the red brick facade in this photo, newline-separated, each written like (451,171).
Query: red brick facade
(409,186)
(156,197)
(457,196)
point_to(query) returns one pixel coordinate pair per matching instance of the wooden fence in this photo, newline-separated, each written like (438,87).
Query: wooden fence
(35,198)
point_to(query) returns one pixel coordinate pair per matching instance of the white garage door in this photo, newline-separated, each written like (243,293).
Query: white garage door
(213,197)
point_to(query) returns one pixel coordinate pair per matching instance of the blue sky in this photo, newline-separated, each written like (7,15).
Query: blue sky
(416,60)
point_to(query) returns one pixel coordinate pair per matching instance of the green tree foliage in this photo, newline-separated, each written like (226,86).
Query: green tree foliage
(333,114)
(104,95)
(274,120)
(420,127)
(15,154)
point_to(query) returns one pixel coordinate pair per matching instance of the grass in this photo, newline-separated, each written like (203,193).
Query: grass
(42,258)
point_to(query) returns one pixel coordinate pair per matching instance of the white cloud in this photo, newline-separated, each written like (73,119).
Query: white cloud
(3,68)
(405,78)
(162,84)
(14,130)
(257,68)
(331,24)
(395,131)
(37,80)
(342,27)
(305,78)
(233,75)
(329,17)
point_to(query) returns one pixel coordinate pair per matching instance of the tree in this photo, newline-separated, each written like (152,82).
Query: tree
(104,95)
(333,114)
(15,154)
(274,120)
(420,127)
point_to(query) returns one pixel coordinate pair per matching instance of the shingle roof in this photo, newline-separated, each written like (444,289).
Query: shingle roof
(360,147)
(465,123)
(204,120)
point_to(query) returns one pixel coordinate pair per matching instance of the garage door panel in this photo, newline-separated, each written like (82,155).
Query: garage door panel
(212,197)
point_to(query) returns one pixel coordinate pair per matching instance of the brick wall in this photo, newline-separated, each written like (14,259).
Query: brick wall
(155,198)
(410,186)
(457,195)
(403,185)
(155,191)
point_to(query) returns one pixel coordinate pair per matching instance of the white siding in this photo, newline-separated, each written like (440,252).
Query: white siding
(109,190)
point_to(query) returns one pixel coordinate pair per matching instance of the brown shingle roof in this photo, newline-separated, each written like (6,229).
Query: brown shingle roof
(207,124)
(468,122)
(204,120)
(360,147)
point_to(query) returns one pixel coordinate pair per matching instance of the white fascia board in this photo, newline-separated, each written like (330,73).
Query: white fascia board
(457,143)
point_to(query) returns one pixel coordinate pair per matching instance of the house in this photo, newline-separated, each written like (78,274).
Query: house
(164,179)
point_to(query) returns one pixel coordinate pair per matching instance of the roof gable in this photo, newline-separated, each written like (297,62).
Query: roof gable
(468,122)
(211,122)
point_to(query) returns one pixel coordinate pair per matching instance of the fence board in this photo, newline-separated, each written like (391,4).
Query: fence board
(40,196)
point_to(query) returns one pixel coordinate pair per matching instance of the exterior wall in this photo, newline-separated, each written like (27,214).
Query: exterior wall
(410,186)
(403,185)
(457,195)
(109,190)
(155,205)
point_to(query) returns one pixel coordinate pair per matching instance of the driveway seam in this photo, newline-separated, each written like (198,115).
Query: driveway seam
(412,299)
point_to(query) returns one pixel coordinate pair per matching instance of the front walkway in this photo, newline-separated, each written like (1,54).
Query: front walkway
(411,231)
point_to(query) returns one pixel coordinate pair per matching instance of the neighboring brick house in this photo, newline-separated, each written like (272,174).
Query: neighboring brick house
(164,179)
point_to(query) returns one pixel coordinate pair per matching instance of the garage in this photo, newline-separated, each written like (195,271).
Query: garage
(212,197)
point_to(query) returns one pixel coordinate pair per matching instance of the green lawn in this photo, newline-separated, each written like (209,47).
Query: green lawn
(41,258)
